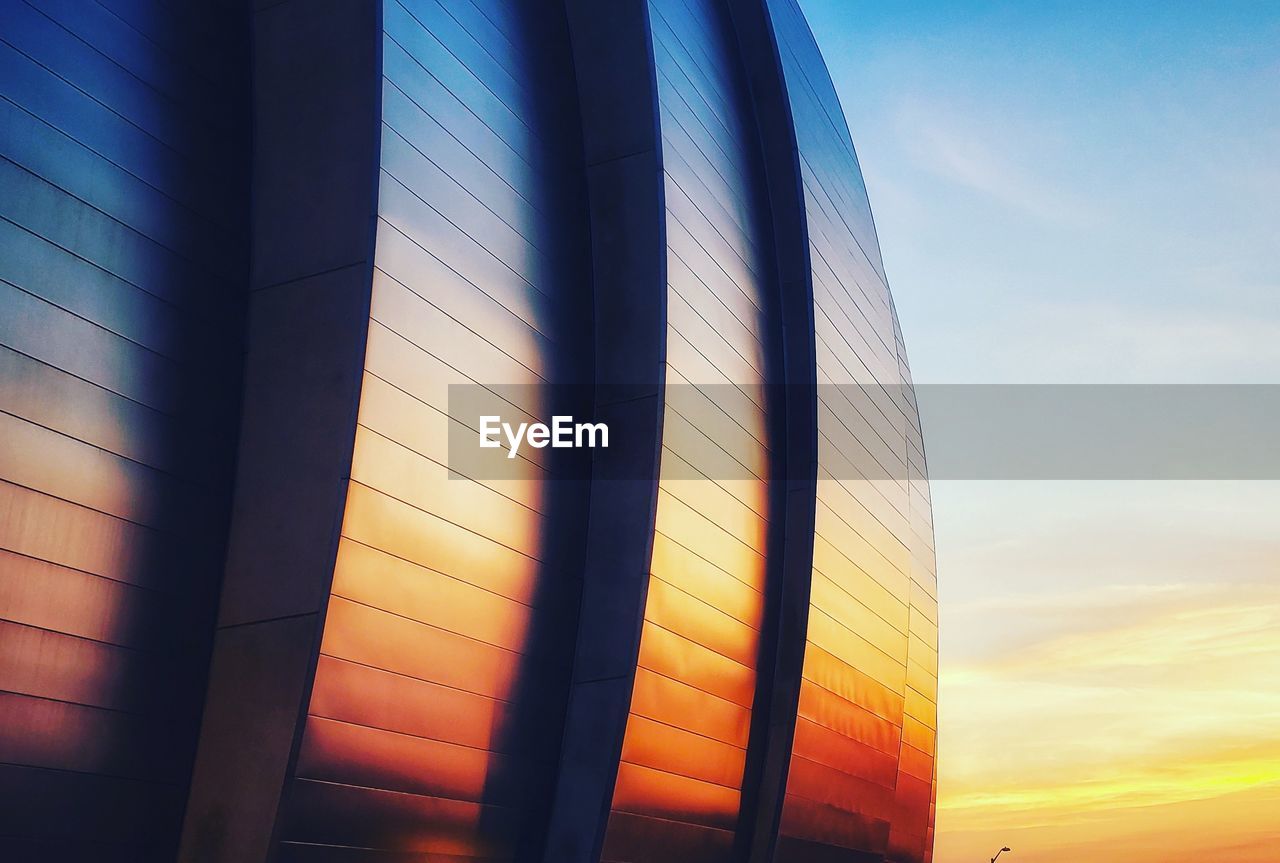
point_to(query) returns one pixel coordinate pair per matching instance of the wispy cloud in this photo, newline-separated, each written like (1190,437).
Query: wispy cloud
(1237,827)
(1159,695)
(952,146)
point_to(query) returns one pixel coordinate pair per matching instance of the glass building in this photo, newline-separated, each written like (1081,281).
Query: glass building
(250,607)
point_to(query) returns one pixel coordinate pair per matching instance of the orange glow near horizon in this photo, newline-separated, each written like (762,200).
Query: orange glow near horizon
(1136,724)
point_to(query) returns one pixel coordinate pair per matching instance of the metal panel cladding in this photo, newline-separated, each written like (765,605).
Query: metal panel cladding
(433,725)
(679,783)
(123,264)
(861,775)
(415,693)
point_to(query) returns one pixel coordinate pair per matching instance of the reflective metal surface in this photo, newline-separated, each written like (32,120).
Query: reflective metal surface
(433,724)
(122,270)
(409,666)
(679,784)
(861,777)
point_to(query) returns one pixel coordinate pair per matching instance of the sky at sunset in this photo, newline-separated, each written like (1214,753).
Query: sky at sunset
(1086,193)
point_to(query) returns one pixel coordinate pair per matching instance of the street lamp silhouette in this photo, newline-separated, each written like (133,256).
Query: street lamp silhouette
(998,853)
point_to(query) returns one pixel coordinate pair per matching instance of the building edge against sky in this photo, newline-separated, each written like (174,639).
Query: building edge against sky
(246,614)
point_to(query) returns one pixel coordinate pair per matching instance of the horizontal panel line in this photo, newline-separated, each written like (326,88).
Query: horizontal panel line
(173,57)
(426,404)
(186,483)
(755,552)
(167,532)
(665,820)
(439,517)
(758,303)
(668,448)
(293,280)
(764,448)
(714,258)
(506,755)
(824,473)
(142,652)
(705,647)
(708,88)
(222,231)
(355,787)
(188,160)
(550,297)
(690,684)
(870,543)
(519,153)
(66,771)
(731,420)
(845,699)
(412,677)
(703,602)
(689,731)
(550,255)
(144,588)
(96,265)
(515,114)
(734,788)
(244,623)
(417,565)
(901,663)
(698,555)
(541,515)
(464,326)
(114,711)
(840,587)
(889,788)
(436,627)
(483,162)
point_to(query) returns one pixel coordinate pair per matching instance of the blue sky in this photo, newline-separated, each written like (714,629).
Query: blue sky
(1088,192)
(1071,192)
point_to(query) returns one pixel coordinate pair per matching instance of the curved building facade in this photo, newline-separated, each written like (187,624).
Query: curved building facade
(124,185)
(253,607)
